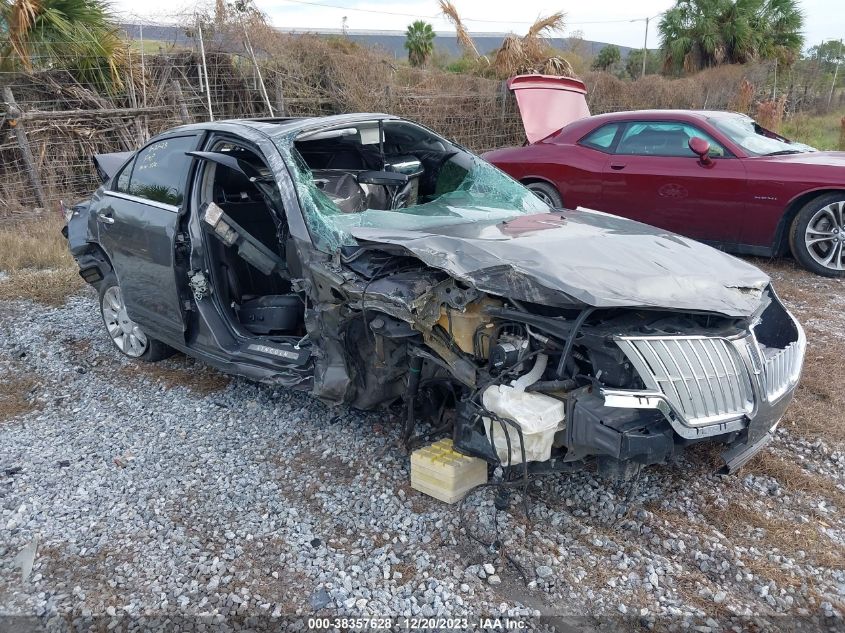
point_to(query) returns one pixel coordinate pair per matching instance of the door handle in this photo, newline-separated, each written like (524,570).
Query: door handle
(105,217)
(617,166)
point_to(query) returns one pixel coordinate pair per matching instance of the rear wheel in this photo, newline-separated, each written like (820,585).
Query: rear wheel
(817,235)
(547,193)
(127,335)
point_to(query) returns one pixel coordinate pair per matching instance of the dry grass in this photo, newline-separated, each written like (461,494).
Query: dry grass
(180,372)
(817,302)
(51,287)
(15,394)
(33,244)
(36,260)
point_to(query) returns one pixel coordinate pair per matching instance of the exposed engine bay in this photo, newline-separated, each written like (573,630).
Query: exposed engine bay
(522,384)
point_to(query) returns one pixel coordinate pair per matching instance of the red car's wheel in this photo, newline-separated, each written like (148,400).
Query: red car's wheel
(817,236)
(547,193)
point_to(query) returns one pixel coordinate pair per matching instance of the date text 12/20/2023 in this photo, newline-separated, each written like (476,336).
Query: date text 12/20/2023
(418,624)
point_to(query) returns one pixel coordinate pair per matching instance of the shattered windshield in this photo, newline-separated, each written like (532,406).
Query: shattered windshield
(395,175)
(754,138)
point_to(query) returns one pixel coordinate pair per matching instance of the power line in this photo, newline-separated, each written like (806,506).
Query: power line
(325,5)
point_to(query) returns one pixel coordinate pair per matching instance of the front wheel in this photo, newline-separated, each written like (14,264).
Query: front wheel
(547,193)
(817,235)
(127,335)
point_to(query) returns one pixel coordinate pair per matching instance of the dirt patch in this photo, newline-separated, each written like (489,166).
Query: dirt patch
(179,372)
(16,396)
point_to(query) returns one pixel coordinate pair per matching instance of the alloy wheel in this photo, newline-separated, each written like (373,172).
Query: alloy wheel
(123,331)
(825,236)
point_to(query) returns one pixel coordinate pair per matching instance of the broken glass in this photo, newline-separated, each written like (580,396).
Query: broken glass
(468,190)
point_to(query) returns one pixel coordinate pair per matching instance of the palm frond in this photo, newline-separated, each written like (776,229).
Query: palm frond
(542,26)
(510,58)
(464,39)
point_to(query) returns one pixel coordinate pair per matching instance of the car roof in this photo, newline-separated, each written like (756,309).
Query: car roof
(281,125)
(652,115)
(577,129)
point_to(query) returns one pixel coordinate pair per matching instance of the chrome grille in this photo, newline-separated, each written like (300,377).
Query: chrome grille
(703,378)
(780,368)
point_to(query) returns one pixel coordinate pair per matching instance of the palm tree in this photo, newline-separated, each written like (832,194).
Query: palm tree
(697,34)
(607,57)
(419,40)
(77,35)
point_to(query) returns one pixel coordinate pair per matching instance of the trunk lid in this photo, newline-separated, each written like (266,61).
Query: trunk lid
(547,103)
(107,165)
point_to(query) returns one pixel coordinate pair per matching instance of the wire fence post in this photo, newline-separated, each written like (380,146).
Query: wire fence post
(179,100)
(281,110)
(257,70)
(388,98)
(205,70)
(13,114)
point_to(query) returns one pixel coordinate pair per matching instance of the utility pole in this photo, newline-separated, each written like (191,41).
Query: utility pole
(645,47)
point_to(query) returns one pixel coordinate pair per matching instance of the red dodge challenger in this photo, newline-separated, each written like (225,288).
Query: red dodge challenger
(718,177)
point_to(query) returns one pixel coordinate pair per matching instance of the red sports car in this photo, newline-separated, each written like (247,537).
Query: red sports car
(718,177)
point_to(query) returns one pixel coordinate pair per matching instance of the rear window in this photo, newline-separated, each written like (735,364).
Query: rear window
(602,138)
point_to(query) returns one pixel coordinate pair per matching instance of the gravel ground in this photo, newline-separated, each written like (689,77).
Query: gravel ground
(172,491)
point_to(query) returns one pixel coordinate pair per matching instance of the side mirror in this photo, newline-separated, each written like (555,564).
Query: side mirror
(701,148)
(389,178)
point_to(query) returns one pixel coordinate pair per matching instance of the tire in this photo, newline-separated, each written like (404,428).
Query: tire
(125,334)
(547,193)
(817,235)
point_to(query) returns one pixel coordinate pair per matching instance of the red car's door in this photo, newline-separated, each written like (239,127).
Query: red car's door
(655,178)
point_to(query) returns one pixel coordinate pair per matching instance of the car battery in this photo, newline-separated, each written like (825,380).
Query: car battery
(441,472)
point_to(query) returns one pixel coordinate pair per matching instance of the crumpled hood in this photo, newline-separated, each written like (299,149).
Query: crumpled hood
(583,257)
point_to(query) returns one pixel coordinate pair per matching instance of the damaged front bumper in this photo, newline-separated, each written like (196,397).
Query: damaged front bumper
(703,387)
(732,390)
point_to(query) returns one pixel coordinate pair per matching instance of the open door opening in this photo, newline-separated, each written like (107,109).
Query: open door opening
(246,233)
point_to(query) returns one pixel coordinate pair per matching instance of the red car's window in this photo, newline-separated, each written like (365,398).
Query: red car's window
(601,138)
(660,138)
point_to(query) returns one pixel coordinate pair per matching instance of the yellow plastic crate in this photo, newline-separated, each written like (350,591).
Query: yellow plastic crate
(440,472)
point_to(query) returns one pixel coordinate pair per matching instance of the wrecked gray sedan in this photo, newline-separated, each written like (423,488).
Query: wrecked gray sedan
(368,261)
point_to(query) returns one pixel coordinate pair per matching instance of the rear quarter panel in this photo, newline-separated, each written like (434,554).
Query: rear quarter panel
(82,226)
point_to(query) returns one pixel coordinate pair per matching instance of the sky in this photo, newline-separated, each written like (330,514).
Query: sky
(619,22)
